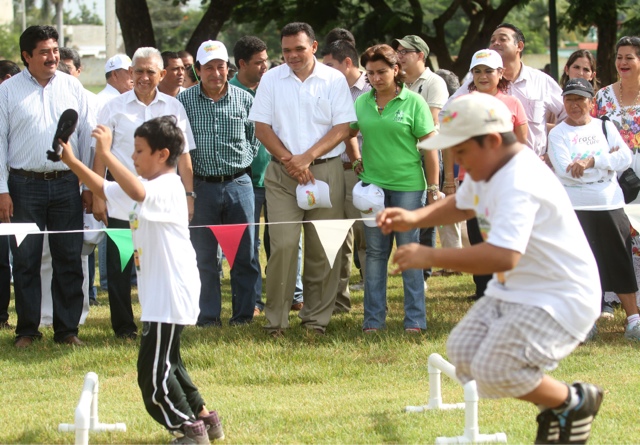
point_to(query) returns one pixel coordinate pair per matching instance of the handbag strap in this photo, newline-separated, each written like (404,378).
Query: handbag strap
(604,120)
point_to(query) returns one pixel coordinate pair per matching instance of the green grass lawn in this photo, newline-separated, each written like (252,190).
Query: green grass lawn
(344,387)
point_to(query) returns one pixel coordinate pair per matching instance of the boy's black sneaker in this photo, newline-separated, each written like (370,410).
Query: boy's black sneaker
(548,427)
(575,424)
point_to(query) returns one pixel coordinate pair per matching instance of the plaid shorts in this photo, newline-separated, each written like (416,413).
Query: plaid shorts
(506,347)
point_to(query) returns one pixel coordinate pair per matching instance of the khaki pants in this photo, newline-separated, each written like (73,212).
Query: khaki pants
(320,282)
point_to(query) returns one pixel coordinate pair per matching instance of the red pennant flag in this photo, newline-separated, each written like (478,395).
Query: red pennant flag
(229,237)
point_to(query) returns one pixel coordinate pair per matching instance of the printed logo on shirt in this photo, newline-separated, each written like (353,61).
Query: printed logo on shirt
(585,140)
(399,116)
(133,220)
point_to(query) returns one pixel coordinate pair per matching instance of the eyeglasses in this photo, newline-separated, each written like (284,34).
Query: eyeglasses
(404,52)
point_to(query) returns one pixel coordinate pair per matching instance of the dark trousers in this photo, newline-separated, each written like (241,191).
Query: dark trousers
(475,237)
(5,279)
(56,205)
(119,285)
(168,393)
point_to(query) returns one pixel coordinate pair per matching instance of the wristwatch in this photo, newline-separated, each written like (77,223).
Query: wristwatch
(192,194)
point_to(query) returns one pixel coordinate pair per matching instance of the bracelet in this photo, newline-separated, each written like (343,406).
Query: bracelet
(449,184)
(433,188)
(355,163)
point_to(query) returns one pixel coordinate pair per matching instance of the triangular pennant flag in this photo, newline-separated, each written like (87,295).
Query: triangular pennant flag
(20,230)
(124,243)
(332,233)
(229,237)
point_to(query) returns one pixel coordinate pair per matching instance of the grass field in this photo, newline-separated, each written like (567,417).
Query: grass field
(344,387)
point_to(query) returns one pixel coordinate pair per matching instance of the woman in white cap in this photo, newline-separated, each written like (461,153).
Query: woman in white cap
(487,70)
(392,119)
(586,153)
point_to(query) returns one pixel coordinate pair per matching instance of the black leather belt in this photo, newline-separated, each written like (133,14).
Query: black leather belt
(223,178)
(43,176)
(316,162)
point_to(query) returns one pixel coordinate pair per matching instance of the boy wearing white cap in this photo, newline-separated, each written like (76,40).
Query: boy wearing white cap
(544,296)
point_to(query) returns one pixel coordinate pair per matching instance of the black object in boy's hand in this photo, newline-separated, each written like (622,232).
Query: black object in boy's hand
(66,126)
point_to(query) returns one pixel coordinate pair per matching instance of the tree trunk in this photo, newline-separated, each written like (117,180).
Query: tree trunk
(135,23)
(214,18)
(605,60)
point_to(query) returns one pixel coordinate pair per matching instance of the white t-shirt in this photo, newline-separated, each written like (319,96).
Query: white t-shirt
(524,208)
(168,277)
(598,188)
(302,113)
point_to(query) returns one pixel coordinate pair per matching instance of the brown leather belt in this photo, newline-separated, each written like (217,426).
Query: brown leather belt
(43,176)
(223,178)
(316,162)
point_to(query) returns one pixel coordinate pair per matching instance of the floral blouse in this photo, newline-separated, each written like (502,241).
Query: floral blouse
(626,120)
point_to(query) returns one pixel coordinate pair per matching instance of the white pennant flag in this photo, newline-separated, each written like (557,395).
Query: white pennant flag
(20,230)
(633,213)
(332,233)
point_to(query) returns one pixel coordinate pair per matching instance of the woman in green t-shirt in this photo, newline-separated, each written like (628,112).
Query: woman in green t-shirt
(392,119)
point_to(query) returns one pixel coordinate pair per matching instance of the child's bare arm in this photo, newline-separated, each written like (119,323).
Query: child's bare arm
(481,259)
(130,184)
(86,175)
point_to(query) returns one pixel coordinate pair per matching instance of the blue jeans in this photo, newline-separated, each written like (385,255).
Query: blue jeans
(229,202)
(375,284)
(55,204)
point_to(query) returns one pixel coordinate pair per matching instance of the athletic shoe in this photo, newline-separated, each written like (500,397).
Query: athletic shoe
(607,310)
(575,424)
(592,333)
(412,330)
(632,332)
(548,427)
(195,433)
(214,426)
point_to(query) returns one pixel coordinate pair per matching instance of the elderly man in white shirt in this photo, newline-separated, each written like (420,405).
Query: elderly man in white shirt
(123,115)
(35,189)
(539,93)
(302,112)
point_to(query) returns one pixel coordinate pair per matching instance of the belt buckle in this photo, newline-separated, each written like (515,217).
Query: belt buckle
(48,176)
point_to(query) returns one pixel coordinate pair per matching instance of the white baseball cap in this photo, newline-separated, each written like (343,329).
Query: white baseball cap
(313,196)
(486,57)
(473,114)
(210,50)
(369,199)
(119,61)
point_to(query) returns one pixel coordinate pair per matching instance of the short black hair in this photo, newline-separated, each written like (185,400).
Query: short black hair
(339,34)
(508,138)
(519,36)
(246,47)
(32,35)
(451,79)
(8,67)
(62,67)
(70,54)
(295,28)
(163,132)
(340,50)
(168,55)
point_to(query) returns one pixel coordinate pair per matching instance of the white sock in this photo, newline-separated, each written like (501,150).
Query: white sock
(572,401)
(633,319)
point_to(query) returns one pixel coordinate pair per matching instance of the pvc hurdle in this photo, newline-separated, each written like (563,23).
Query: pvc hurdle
(437,365)
(86,413)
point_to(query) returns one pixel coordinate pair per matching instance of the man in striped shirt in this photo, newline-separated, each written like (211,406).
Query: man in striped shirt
(225,147)
(34,189)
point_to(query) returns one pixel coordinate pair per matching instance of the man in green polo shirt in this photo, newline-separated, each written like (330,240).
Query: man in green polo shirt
(250,54)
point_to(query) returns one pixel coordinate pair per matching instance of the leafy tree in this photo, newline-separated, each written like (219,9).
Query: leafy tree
(86,16)
(9,44)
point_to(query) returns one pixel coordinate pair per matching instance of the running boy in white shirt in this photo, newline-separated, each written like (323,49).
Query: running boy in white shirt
(545,294)
(168,281)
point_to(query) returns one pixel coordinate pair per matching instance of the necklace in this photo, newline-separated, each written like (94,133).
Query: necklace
(375,97)
(623,110)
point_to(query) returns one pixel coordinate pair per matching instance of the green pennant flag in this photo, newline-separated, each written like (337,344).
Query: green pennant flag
(124,243)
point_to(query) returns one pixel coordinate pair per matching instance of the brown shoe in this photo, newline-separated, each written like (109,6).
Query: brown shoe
(277,333)
(23,342)
(72,340)
(297,306)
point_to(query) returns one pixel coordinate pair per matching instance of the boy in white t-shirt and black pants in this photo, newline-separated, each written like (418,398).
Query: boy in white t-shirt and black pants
(544,296)
(168,280)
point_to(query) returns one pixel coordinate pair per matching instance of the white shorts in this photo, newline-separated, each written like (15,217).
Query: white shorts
(506,347)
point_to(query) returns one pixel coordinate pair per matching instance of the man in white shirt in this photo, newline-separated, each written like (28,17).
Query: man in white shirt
(540,94)
(118,78)
(302,112)
(123,115)
(342,55)
(36,190)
